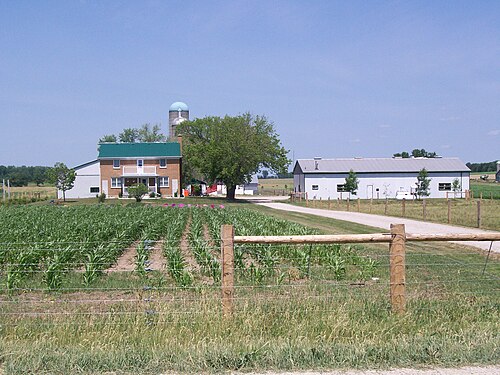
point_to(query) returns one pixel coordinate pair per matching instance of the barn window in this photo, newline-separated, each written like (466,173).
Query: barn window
(94,189)
(340,188)
(163,163)
(444,186)
(116,182)
(164,181)
(116,164)
(315,187)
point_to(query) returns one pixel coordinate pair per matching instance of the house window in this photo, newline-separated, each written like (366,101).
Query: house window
(315,187)
(116,182)
(94,189)
(164,181)
(116,164)
(444,186)
(341,188)
(163,163)
(140,162)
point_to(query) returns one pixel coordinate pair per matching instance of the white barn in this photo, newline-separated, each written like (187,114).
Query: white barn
(379,178)
(87,182)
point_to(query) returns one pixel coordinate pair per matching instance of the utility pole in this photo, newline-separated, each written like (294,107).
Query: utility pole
(8,187)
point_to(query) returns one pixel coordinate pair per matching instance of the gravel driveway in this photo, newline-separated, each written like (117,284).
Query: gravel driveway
(384,222)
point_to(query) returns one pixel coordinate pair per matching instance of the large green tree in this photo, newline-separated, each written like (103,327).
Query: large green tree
(62,177)
(231,149)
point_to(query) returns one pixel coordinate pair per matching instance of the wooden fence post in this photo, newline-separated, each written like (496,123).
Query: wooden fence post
(397,268)
(348,203)
(227,256)
(307,200)
(449,211)
(479,214)
(403,207)
(329,204)
(424,209)
(358,205)
(385,208)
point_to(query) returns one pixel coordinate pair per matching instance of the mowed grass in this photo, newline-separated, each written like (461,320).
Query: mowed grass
(139,325)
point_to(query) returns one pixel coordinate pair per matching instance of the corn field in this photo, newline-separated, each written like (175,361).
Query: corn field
(70,247)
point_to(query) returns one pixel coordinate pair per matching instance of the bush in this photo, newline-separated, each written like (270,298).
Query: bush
(101,197)
(152,194)
(137,191)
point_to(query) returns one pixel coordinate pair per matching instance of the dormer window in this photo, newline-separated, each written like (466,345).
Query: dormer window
(116,164)
(163,163)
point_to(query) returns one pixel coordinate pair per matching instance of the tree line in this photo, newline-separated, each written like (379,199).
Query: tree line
(416,153)
(22,176)
(483,167)
(146,133)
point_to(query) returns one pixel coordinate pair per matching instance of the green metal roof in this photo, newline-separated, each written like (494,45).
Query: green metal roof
(132,150)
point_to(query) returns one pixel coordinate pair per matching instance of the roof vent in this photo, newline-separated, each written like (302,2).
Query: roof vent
(318,158)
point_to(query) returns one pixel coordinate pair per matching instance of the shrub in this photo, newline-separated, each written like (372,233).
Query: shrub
(137,191)
(101,197)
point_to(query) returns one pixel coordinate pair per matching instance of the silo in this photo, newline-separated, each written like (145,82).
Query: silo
(177,113)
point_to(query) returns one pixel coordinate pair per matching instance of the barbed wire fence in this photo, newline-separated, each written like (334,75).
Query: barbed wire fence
(240,274)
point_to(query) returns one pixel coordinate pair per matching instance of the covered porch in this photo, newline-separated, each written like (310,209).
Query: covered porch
(151,182)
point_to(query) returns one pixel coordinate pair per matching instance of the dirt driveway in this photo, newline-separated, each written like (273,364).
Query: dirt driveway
(384,222)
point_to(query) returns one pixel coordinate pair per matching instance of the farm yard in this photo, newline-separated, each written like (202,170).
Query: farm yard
(137,289)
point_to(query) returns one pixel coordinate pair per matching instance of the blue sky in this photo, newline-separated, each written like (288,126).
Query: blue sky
(338,78)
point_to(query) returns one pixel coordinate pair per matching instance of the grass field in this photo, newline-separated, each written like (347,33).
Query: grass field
(488,190)
(291,311)
(462,212)
(275,186)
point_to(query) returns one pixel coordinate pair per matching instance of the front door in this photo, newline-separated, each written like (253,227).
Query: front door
(369,192)
(105,187)
(175,186)
(140,165)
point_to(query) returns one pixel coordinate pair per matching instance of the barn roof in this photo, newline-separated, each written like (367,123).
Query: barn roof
(379,165)
(137,150)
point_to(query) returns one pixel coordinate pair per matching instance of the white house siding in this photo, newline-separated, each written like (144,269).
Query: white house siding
(386,183)
(87,176)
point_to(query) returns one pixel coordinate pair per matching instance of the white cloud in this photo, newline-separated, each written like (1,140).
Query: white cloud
(384,126)
(355,140)
(494,132)
(445,146)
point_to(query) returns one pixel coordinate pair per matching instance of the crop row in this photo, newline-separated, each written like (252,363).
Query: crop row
(53,241)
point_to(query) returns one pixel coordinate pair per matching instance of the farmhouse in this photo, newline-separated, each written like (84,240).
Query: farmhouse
(379,178)
(121,165)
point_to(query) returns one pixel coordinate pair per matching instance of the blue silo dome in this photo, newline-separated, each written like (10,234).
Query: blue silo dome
(178,106)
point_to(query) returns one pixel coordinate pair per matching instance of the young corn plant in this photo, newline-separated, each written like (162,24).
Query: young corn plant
(93,266)
(54,272)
